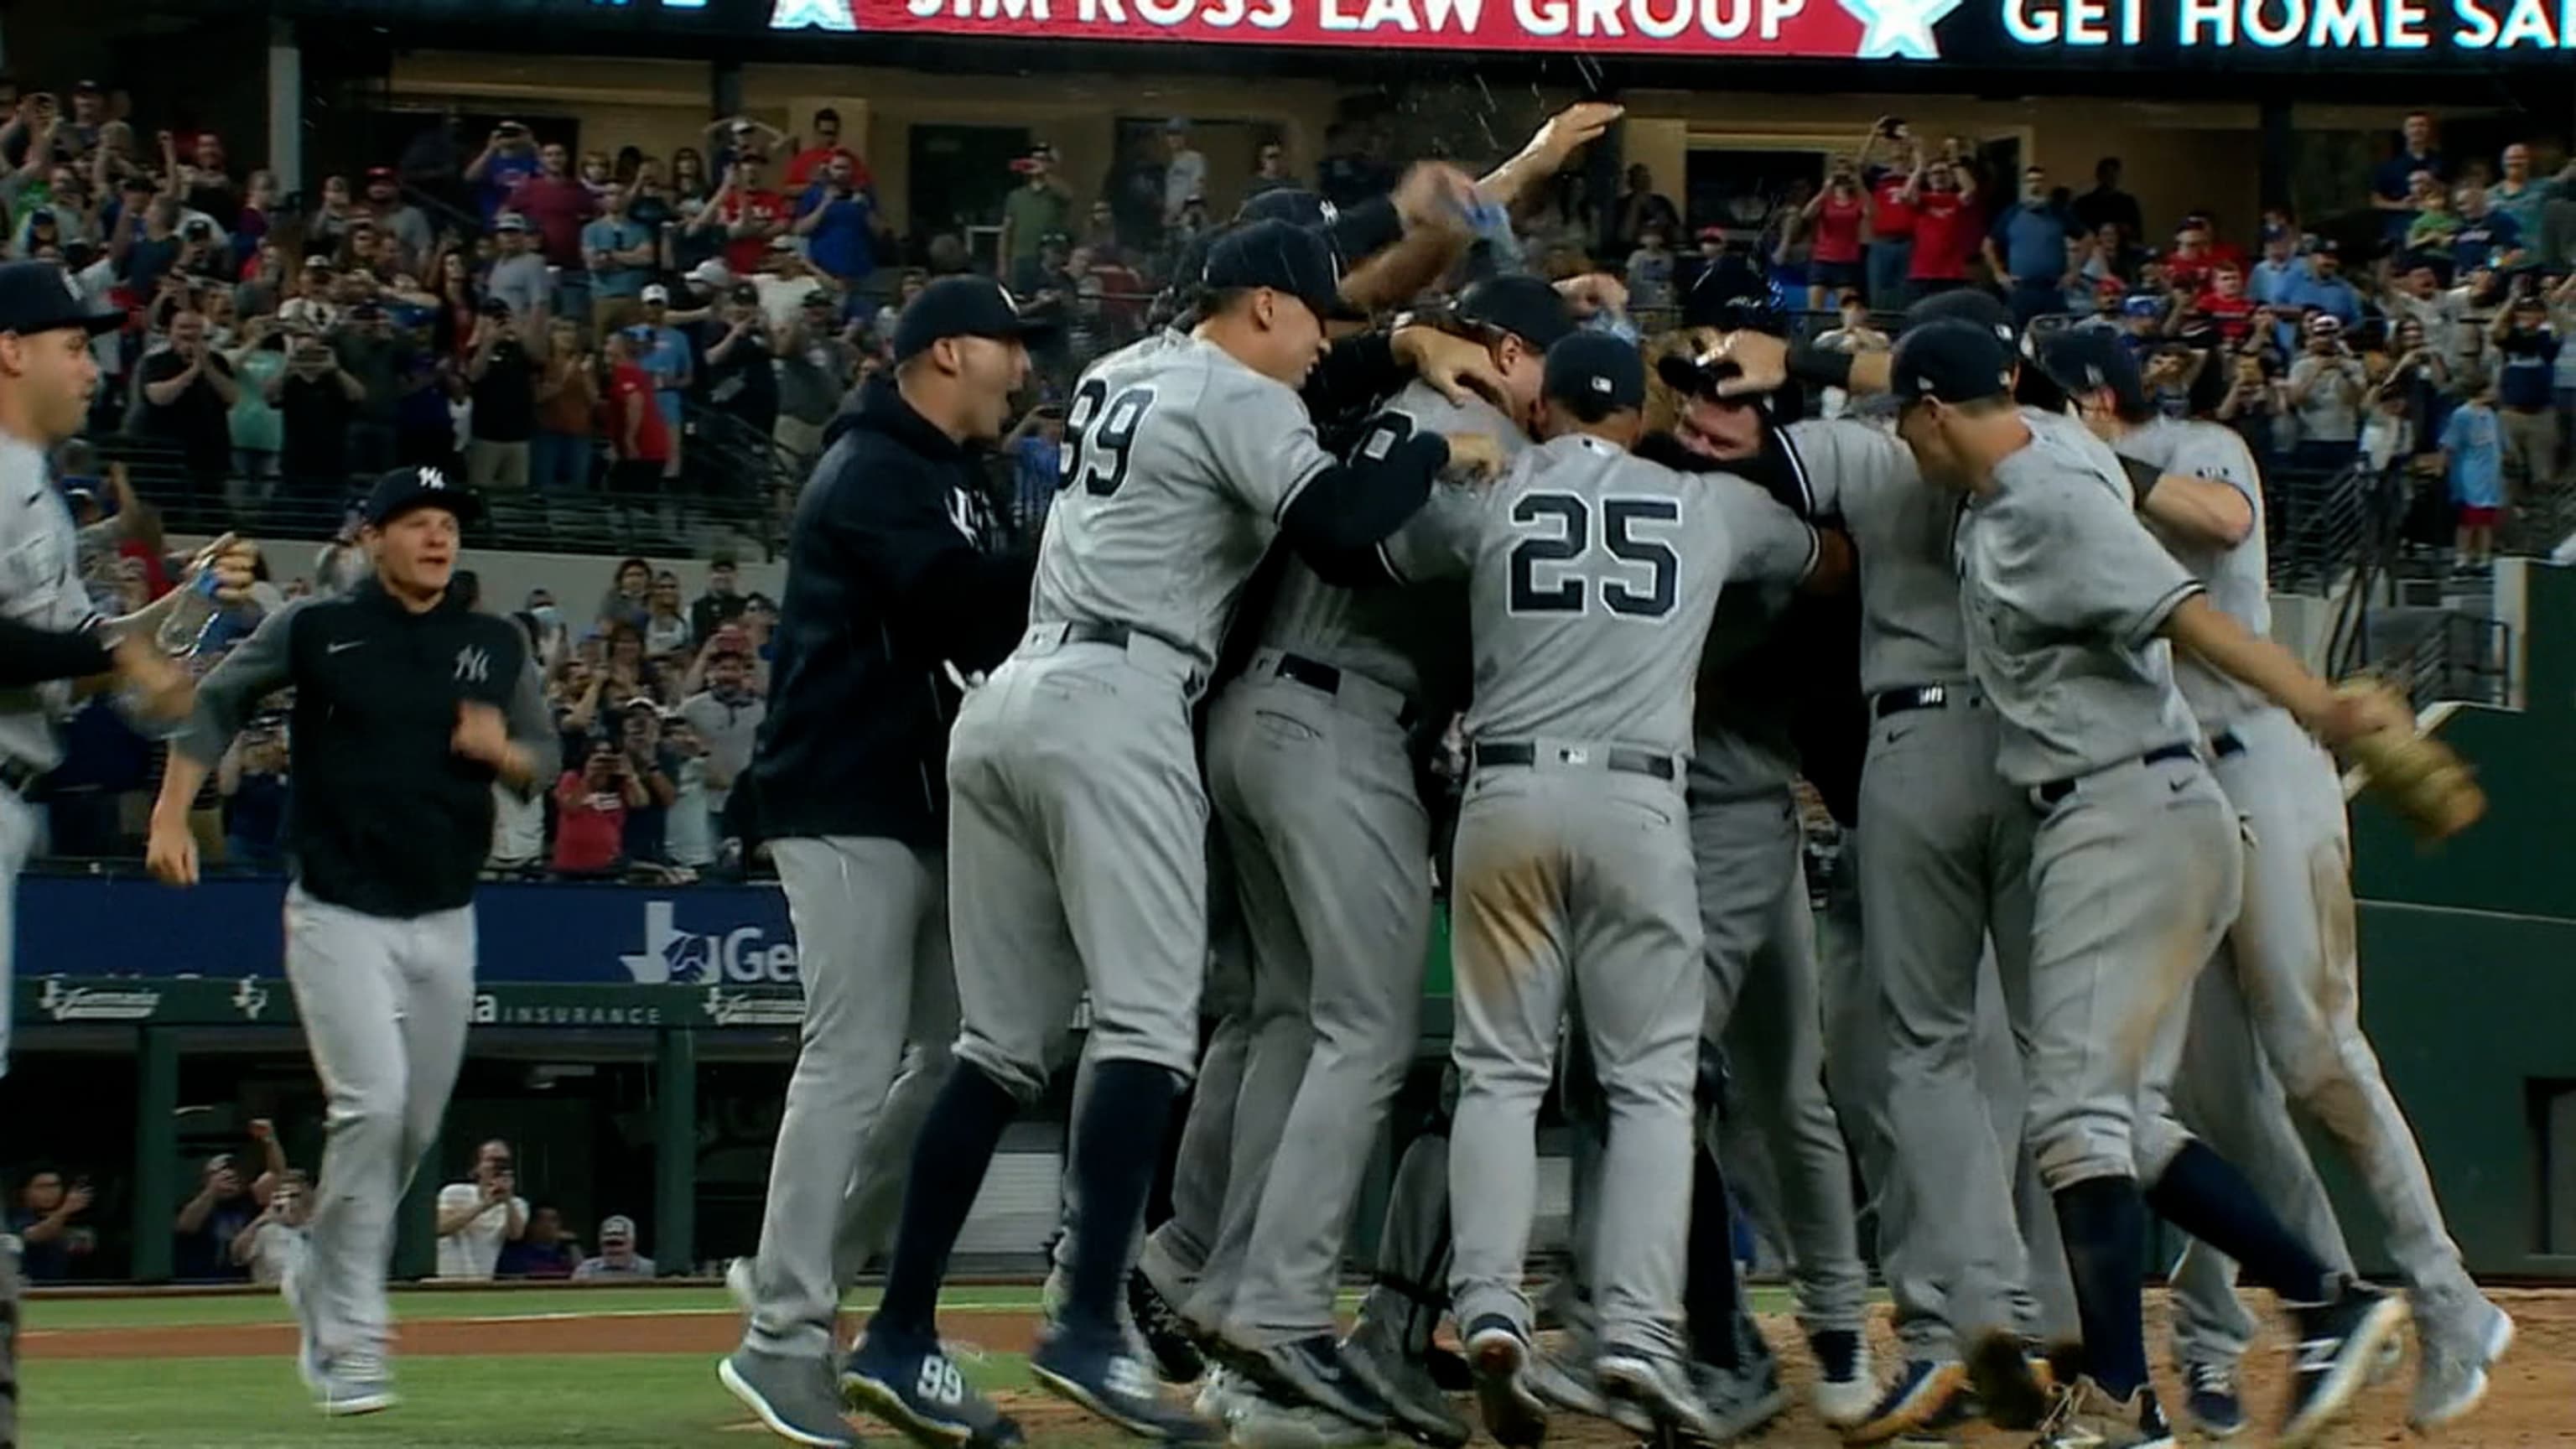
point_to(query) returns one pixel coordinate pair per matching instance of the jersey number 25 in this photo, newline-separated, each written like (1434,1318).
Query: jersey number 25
(1098,430)
(1561,559)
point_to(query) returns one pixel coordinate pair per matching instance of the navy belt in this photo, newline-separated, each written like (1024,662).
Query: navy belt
(18,777)
(2225,743)
(1904,701)
(1625,762)
(1084,631)
(1324,678)
(2056,790)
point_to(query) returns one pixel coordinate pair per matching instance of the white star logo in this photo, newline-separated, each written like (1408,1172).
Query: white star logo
(1898,29)
(812,15)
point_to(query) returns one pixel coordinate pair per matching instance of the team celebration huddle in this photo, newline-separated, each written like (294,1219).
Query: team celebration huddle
(1342,608)
(2014,630)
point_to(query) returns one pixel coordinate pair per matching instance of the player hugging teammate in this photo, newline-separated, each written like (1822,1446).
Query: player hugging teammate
(1605,558)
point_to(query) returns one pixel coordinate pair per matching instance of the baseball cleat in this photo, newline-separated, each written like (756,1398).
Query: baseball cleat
(1659,1388)
(923,1393)
(1166,1334)
(1497,1353)
(1845,1390)
(1222,1395)
(1561,1381)
(1414,1402)
(2000,1369)
(2086,1417)
(354,1384)
(1099,1375)
(1311,1371)
(793,1398)
(1266,1423)
(2453,1377)
(1740,1401)
(2211,1402)
(2338,1343)
(1922,1390)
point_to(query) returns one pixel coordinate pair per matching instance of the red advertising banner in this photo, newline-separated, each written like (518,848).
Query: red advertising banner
(2374,33)
(1784,28)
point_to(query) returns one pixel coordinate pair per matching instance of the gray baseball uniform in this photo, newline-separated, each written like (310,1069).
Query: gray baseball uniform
(2136,863)
(1314,788)
(1593,577)
(1077,828)
(1941,861)
(39,585)
(2290,981)
(872,950)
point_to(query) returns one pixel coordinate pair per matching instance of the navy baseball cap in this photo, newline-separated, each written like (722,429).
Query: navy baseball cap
(1282,258)
(404,489)
(1289,204)
(1951,361)
(961,307)
(42,297)
(1596,367)
(1523,306)
(2091,359)
(1964,304)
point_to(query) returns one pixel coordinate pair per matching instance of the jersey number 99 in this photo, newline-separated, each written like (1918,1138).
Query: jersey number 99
(1557,564)
(1098,430)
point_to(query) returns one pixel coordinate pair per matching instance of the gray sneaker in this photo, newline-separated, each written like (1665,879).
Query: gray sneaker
(1375,1356)
(797,1399)
(355,1383)
(2453,1378)
(1740,1402)
(1659,1388)
(1260,1421)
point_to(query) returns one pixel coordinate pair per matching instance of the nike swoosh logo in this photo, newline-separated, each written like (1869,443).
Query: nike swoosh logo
(344,644)
(2176,787)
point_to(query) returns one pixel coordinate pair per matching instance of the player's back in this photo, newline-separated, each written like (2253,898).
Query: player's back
(2063,595)
(1388,635)
(1594,578)
(1178,462)
(2238,579)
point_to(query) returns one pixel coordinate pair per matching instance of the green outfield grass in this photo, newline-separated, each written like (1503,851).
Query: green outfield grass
(628,1400)
(632,1401)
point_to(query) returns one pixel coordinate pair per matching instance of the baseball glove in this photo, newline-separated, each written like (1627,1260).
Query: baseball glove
(2423,780)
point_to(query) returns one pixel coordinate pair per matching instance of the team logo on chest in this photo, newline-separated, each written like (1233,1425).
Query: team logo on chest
(473,665)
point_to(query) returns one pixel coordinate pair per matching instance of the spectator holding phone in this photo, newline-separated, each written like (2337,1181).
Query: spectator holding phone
(509,156)
(478,1215)
(209,1222)
(2326,388)
(591,805)
(50,1242)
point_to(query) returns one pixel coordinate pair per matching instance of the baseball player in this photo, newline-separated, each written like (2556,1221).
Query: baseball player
(52,644)
(2135,874)
(1310,768)
(890,579)
(1942,846)
(1592,576)
(409,706)
(1194,1255)
(1076,841)
(2288,978)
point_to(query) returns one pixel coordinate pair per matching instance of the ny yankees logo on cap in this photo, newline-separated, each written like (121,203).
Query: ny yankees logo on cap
(432,478)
